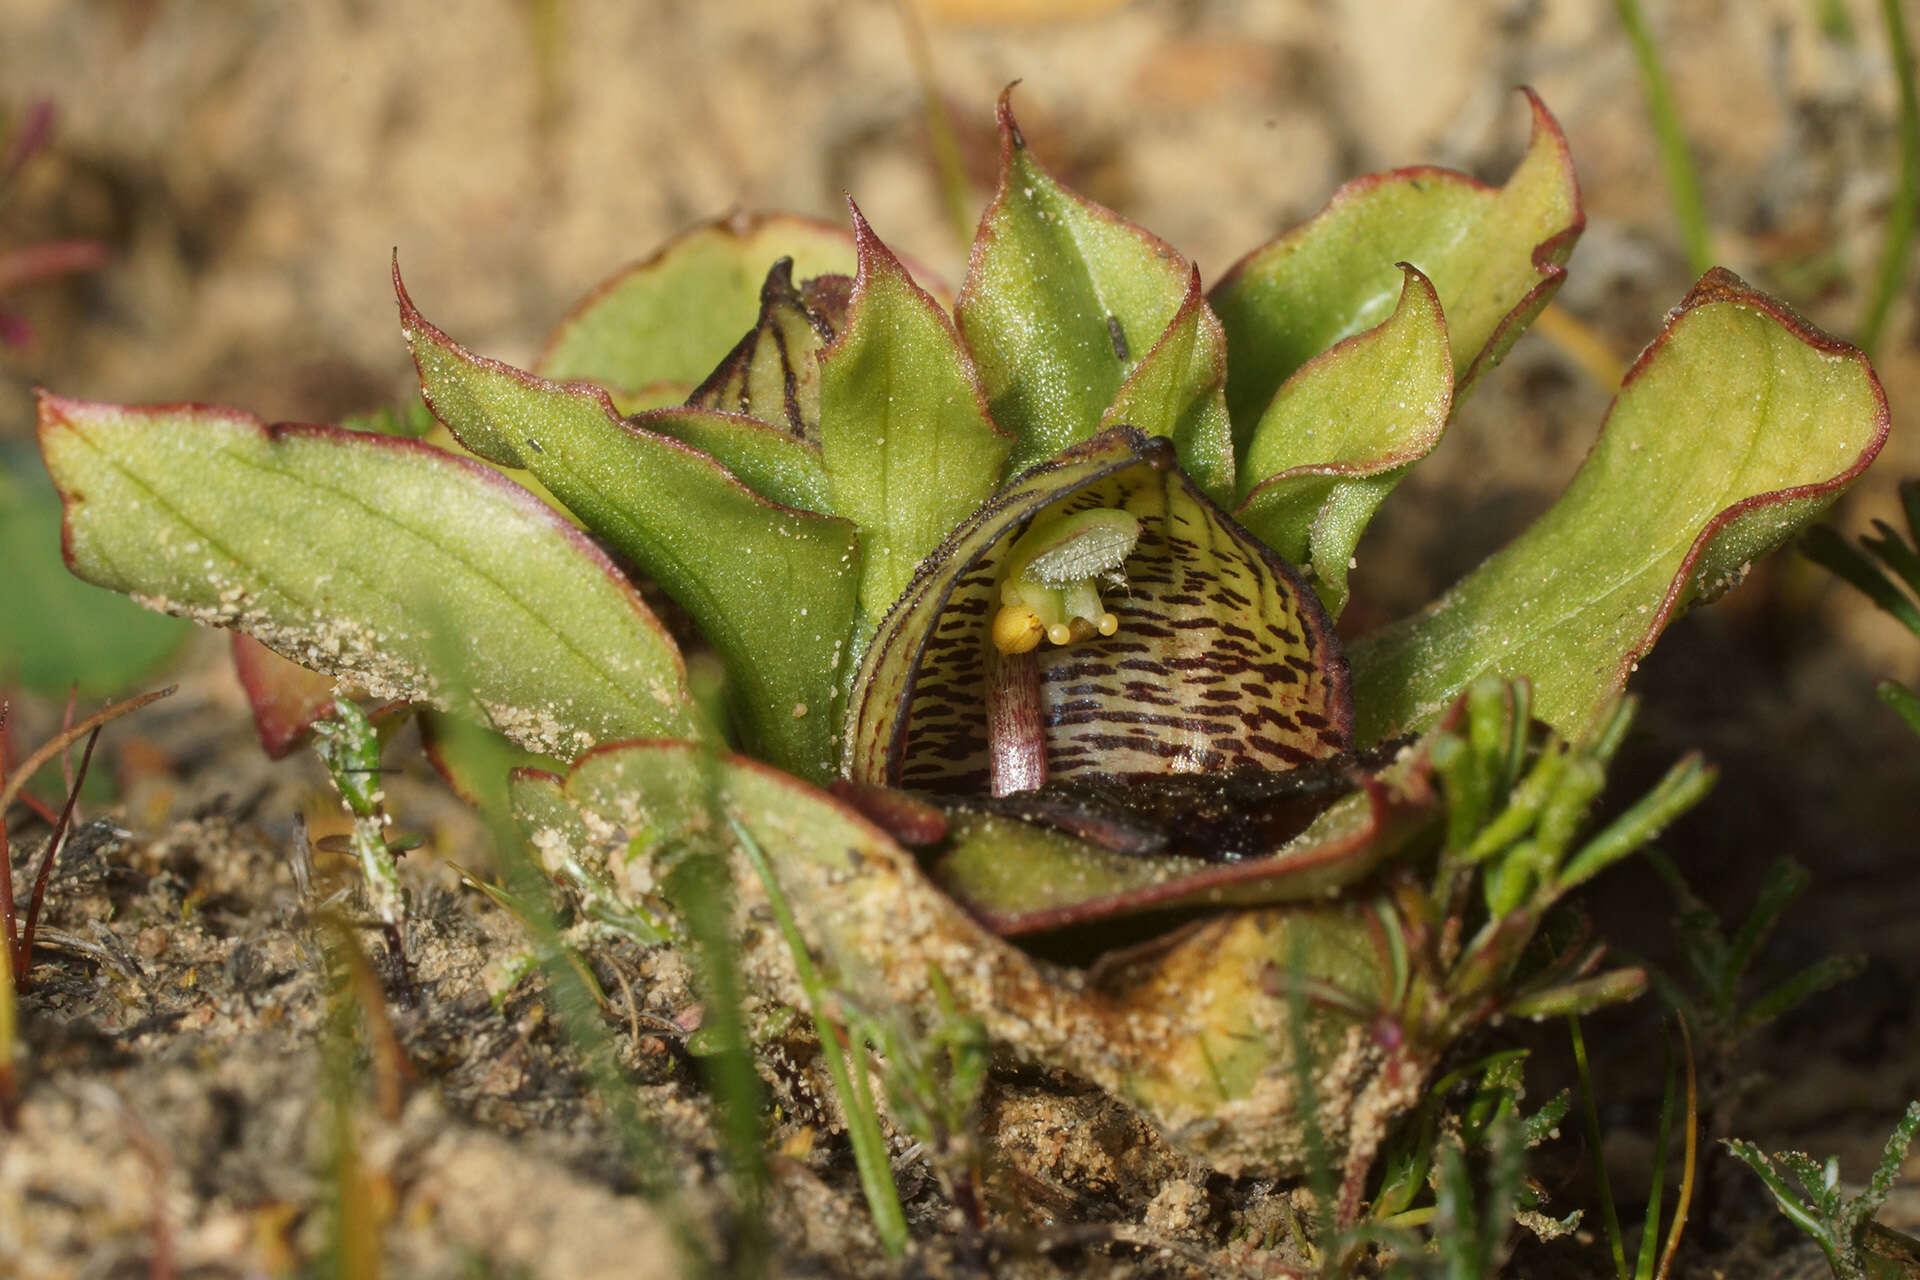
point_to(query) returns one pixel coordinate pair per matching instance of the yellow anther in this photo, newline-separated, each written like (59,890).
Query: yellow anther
(1048,585)
(1016,629)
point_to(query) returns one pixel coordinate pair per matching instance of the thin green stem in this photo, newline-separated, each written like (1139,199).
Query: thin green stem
(1684,786)
(1683,185)
(1690,1160)
(1590,1114)
(1906,194)
(1663,1133)
(856,1100)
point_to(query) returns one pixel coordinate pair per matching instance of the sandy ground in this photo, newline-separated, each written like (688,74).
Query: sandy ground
(251,165)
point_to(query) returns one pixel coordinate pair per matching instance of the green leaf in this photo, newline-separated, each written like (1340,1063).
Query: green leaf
(1342,432)
(1822,974)
(1060,295)
(1826,548)
(1495,255)
(1019,878)
(909,449)
(676,315)
(360,555)
(1222,656)
(1903,701)
(773,373)
(1179,390)
(771,587)
(1732,431)
(1193,1033)
(775,465)
(57,632)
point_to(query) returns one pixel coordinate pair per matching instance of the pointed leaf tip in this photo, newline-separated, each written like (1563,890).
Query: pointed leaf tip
(673,316)
(1060,293)
(1495,256)
(733,559)
(1177,389)
(1342,431)
(909,447)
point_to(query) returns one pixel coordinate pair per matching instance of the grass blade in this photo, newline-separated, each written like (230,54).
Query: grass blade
(24,771)
(1656,1184)
(1903,701)
(843,1064)
(1906,195)
(1590,1116)
(1683,186)
(1689,1164)
(1829,550)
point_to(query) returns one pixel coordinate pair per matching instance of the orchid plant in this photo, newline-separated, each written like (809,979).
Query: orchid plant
(1025,606)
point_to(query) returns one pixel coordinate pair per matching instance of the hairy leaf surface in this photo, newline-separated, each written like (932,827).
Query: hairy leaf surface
(905,437)
(1061,299)
(1178,390)
(772,587)
(381,560)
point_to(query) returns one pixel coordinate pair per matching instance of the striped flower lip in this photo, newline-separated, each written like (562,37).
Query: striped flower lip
(1116,700)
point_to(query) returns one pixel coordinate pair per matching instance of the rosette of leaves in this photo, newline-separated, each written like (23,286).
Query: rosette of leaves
(1024,605)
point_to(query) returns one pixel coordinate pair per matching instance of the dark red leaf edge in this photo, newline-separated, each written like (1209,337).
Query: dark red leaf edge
(1717,285)
(876,260)
(1387,462)
(1395,816)
(1722,285)
(54,410)
(1549,256)
(739,224)
(1194,302)
(1013,141)
(287,699)
(415,323)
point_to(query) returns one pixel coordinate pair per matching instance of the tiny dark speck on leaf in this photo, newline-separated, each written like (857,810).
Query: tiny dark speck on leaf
(534,445)
(1119,336)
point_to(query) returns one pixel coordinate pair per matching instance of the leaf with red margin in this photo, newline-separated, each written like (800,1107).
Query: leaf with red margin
(287,698)
(1341,432)
(1495,255)
(773,374)
(1195,1034)
(468,758)
(1734,429)
(1021,879)
(358,555)
(772,463)
(1061,297)
(772,587)
(909,448)
(674,316)
(1178,390)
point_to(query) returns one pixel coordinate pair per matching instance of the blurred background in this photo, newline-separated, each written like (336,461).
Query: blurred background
(240,171)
